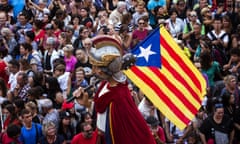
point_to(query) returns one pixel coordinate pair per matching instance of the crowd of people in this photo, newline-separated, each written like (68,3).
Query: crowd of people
(44,60)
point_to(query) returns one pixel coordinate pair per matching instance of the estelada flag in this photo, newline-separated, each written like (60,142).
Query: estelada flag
(167,77)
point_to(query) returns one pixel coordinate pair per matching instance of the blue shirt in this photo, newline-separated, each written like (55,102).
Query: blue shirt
(28,136)
(151,5)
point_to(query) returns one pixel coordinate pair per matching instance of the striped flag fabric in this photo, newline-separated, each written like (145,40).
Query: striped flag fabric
(167,77)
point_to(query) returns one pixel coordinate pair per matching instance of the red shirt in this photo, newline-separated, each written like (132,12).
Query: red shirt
(39,36)
(7,140)
(79,139)
(3,73)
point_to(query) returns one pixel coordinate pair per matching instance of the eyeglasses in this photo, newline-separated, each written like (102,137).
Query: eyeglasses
(85,32)
(193,15)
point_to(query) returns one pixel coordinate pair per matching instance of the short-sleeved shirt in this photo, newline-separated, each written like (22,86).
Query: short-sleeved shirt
(211,72)
(210,127)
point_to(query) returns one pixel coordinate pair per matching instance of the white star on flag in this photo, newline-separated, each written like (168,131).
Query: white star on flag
(146,52)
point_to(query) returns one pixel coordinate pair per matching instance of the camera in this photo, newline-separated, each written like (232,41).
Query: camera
(105,29)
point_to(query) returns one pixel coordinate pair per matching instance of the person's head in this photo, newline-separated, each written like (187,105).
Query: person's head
(32,107)
(34,93)
(105,58)
(24,64)
(230,81)
(228,99)
(141,23)
(226,22)
(51,43)
(22,79)
(87,118)
(87,43)
(79,73)
(87,130)
(25,48)
(123,29)
(152,123)
(60,14)
(206,12)
(46,105)
(52,84)
(205,60)
(84,12)
(217,23)
(10,111)
(83,32)
(203,3)
(65,118)
(48,28)
(126,18)
(69,30)
(29,36)
(173,14)
(75,20)
(68,50)
(46,18)
(59,70)
(197,28)
(192,138)
(218,111)
(121,7)
(111,29)
(42,3)
(181,5)
(26,116)
(18,104)
(13,131)
(204,46)
(3,88)
(80,54)
(23,18)
(56,24)
(102,15)
(49,130)
(59,97)
(6,33)
(193,16)
(235,54)
(13,66)
(3,18)
(140,6)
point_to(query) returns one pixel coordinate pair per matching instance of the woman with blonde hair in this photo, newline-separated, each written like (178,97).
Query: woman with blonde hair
(50,134)
(231,87)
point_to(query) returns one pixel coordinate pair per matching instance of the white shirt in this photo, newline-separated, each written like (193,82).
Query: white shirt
(12,81)
(101,117)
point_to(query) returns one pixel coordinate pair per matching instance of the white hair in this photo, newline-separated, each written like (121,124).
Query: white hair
(120,4)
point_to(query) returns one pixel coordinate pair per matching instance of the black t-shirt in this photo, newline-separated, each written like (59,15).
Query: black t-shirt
(209,127)
(59,140)
(47,62)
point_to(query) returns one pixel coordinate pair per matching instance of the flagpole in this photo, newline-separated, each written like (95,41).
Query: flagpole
(1,116)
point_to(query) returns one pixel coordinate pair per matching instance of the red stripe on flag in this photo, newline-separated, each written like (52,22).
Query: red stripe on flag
(175,91)
(179,60)
(178,76)
(162,96)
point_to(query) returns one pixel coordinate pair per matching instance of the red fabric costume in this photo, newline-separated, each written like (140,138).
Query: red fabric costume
(127,125)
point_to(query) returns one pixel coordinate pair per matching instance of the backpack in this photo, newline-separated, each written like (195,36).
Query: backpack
(220,47)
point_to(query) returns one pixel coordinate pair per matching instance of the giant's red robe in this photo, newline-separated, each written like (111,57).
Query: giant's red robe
(126,124)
